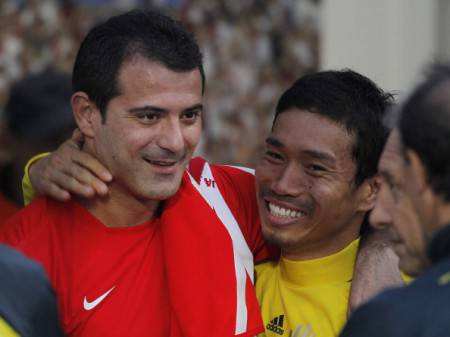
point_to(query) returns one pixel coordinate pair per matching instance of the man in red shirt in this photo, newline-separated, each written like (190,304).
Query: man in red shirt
(116,261)
(160,250)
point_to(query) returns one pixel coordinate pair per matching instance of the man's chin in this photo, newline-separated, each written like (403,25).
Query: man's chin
(274,237)
(161,190)
(164,193)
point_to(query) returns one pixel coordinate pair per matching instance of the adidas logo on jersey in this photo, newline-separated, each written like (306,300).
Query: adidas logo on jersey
(276,325)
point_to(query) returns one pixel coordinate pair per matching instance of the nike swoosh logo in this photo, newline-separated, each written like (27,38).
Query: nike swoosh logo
(91,305)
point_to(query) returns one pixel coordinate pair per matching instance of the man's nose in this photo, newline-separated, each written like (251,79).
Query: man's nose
(171,137)
(379,216)
(290,181)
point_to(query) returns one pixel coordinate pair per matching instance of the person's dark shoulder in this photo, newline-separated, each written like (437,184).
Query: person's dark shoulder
(430,294)
(375,317)
(419,309)
(27,300)
(17,266)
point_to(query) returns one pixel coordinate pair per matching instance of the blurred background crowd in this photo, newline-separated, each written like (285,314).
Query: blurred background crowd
(253,49)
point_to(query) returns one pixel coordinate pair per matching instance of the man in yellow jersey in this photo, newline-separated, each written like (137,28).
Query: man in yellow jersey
(315,184)
(347,179)
(414,203)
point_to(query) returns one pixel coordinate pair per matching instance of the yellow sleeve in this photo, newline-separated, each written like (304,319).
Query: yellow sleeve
(407,279)
(27,189)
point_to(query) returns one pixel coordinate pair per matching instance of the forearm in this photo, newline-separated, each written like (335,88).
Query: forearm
(376,268)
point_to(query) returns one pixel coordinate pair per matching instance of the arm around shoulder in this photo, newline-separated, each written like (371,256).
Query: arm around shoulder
(376,269)
(68,170)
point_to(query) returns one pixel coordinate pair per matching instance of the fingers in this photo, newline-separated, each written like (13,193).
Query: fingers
(58,180)
(44,186)
(55,192)
(96,169)
(70,170)
(77,137)
(85,177)
(77,171)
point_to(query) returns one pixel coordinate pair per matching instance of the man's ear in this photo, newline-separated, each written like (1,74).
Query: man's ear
(417,171)
(85,112)
(369,192)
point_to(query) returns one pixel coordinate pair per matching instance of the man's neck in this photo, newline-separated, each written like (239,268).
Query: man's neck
(121,209)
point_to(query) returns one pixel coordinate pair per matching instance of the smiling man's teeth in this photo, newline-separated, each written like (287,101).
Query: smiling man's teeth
(160,163)
(284,212)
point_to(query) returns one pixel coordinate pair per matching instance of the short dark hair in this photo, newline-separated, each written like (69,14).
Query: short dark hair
(108,45)
(351,100)
(424,126)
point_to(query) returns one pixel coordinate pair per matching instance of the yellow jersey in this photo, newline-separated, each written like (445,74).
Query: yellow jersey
(306,298)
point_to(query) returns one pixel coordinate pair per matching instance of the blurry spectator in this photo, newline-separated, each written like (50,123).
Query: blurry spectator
(253,49)
(414,206)
(37,118)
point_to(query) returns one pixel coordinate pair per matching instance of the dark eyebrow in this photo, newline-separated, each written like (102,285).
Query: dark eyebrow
(196,107)
(323,156)
(151,108)
(146,108)
(274,142)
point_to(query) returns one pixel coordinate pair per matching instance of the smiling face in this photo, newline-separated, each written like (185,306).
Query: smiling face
(307,199)
(397,211)
(151,128)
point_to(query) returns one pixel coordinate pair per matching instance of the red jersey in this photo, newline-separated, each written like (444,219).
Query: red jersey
(178,275)
(108,281)
(211,235)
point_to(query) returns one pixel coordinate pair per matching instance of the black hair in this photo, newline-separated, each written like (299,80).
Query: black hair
(424,126)
(108,45)
(351,100)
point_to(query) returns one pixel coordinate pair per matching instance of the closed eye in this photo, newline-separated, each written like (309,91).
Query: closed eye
(274,155)
(317,168)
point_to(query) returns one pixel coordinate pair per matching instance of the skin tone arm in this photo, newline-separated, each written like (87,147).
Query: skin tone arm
(69,170)
(376,269)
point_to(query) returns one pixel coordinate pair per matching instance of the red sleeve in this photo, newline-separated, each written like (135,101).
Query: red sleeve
(29,232)
(238,189)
